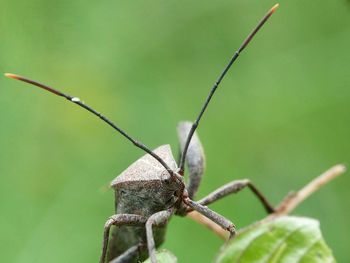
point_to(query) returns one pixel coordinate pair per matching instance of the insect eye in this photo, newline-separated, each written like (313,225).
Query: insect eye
(167,181)
(166,178)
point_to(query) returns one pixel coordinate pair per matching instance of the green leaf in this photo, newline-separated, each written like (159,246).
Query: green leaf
(286,239)
(164,256)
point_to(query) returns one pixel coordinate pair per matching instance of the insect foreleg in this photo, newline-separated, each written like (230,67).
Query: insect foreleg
(215,217)
(118,220)
(157,219)
(234,187)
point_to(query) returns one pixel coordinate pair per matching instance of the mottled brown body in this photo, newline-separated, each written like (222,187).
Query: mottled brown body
(140,190)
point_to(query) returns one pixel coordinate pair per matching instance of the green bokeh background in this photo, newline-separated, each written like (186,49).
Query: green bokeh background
(280,118)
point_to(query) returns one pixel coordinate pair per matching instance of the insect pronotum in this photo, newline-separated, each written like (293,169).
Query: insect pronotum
(152,189)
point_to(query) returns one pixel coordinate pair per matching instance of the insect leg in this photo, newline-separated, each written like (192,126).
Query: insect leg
(118,220)
(234,187)
(157,219)
(217,218)
(128,255)
(195,158)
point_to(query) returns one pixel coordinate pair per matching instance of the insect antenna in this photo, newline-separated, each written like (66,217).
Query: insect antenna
(81,104)
(216,84)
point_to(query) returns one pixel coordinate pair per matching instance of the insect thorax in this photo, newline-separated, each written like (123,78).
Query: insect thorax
(141,189)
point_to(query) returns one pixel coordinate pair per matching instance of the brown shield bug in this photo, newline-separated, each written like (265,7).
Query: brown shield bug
(152,189)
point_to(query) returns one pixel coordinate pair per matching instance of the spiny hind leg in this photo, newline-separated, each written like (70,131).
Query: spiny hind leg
(157,219)
(234,187)
(195,158)
(119,220)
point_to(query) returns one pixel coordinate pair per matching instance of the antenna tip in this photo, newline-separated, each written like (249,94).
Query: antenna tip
(341,168)
(13,76)
(274,8)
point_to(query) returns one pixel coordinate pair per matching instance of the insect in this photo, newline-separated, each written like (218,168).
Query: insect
(152,189)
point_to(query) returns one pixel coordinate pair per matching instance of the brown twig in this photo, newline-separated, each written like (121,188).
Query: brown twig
(289,203)
(292,201)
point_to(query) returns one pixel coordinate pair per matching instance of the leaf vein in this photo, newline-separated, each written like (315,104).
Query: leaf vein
(308,249)
(284,239)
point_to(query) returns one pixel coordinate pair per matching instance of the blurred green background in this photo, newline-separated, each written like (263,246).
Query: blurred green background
(280,118)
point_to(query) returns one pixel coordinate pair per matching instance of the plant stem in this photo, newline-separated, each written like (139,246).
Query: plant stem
(289,203)
(292,201)
(215,228)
